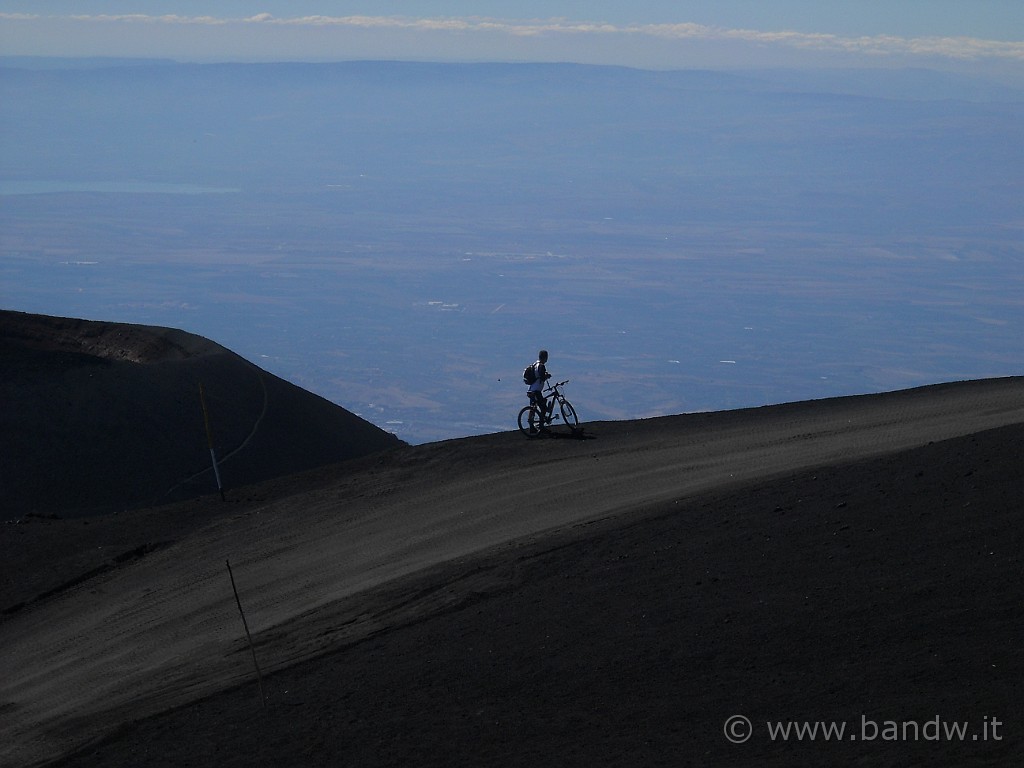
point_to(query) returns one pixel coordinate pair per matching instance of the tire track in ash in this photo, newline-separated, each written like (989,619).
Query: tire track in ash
(243,444)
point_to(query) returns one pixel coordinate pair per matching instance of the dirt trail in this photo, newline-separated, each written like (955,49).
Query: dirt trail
(164,630)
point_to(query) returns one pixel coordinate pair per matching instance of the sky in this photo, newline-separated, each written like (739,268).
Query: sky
(656,34)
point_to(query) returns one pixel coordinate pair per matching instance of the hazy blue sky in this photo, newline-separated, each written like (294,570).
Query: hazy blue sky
(661,33)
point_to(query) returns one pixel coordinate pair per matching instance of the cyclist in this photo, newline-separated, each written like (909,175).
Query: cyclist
(536,390)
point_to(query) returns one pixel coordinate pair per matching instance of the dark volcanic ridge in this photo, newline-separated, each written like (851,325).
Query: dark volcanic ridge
(101,417)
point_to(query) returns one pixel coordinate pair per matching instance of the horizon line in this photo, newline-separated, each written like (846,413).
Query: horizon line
(878,46)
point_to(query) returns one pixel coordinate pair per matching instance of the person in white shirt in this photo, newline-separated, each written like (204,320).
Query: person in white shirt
(536,390)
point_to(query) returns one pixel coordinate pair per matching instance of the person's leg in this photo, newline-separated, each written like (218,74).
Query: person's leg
(545,408)
(541,404)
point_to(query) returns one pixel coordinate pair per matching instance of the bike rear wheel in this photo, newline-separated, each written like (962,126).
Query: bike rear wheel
(530,421)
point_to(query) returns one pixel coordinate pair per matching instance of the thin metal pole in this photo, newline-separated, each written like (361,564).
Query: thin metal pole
(255,663)
(209,441)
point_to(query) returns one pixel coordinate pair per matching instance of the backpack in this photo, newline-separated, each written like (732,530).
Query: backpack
(530,374)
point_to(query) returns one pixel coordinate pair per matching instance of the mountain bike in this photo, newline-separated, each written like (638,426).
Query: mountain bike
(533,423)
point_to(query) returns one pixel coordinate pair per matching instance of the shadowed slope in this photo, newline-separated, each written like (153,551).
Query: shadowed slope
(860,594)
(102,417)
(503,601)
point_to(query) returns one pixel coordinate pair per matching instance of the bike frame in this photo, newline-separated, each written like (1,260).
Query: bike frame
(556,396)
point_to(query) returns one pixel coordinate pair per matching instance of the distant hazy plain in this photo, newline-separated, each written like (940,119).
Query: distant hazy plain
(402,238)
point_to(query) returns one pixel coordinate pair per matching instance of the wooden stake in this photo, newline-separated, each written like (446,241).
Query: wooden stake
(245,624)
(209,441)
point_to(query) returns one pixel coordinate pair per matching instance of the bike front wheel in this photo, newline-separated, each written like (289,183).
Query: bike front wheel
(569,416)
(530,421)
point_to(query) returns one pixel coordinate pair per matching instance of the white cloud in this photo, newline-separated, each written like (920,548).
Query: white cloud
(129,18)
(961,48)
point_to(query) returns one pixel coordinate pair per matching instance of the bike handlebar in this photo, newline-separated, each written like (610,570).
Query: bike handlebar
(552,387)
